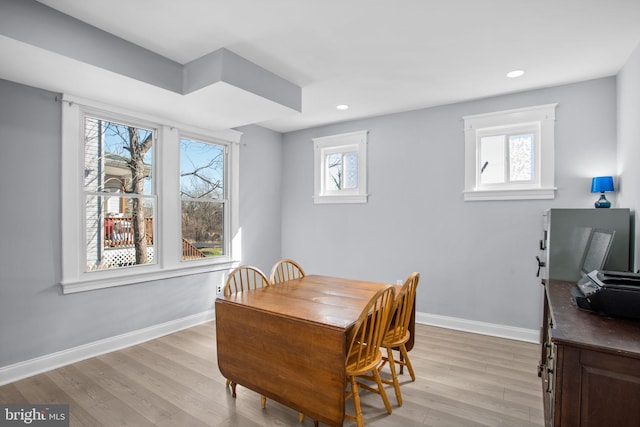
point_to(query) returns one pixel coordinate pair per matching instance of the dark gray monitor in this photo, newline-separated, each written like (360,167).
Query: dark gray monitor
(597,251)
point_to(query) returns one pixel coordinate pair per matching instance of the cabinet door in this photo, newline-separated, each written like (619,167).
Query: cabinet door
(597,389)
(610,390)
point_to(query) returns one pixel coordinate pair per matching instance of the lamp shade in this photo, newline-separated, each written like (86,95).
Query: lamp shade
(600,184)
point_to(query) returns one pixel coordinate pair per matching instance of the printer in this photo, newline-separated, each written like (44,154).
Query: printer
(613,293)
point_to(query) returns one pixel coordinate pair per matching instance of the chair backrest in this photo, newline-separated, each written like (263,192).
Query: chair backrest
(286,269)
(369,329)
(403,307)
(245,277)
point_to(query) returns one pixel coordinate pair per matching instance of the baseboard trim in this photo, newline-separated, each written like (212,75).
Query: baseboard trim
(18,371)
(491,329)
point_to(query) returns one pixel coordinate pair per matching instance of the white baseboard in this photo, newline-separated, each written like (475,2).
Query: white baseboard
(11,373)
(18,371)
(491,329)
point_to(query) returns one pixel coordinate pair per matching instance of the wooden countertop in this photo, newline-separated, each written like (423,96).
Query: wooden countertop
(587,329)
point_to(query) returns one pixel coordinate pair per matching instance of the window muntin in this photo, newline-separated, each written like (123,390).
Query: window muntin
(203,198)
(509,155)
(340,168)
(119,203)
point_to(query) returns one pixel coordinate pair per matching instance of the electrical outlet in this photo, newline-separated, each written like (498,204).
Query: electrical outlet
(219,289)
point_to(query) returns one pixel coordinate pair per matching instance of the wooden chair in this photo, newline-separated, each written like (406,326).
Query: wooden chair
(285,269)
(364,356)
(243,278)
(398,333)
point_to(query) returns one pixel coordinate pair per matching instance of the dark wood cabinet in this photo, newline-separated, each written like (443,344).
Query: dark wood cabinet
(590,364)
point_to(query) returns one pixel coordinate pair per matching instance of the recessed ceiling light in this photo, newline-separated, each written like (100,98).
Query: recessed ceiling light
(515,73)
(342,107)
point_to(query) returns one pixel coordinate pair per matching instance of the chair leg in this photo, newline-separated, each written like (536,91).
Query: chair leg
(356,402)
(404,354)
(394,375)
(263,401)
(383,393)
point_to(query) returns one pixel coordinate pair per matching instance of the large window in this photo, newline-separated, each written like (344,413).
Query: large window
(119,199)
(122,221)
(510,154)
(203,198)
(340,167)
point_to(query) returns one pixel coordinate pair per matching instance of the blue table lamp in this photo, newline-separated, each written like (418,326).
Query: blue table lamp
(600,184)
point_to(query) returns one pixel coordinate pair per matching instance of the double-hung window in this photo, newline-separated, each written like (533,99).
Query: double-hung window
(143,199)
(510,154)
(203,197)
(119,195)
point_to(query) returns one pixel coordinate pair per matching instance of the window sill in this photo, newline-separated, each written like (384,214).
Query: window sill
(149,276)
(515,194)
(340,199)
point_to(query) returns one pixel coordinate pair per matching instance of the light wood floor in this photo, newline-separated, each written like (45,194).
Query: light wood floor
(462,379)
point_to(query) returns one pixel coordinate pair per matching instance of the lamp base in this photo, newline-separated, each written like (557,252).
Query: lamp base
(603,202)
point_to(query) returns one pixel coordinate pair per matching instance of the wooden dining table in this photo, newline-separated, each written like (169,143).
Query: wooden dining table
(288,341)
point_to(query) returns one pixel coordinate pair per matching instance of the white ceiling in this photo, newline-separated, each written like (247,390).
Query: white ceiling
(377,56)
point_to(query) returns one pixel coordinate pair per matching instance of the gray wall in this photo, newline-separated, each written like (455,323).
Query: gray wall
(629,140)
(260,207)
(35,318)
(476,259)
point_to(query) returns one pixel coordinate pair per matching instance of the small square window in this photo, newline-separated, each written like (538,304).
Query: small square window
(510,154)
(507,159)
(340,168)
(341,171)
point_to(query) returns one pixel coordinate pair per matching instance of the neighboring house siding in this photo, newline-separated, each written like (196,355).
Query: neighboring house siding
(92,182)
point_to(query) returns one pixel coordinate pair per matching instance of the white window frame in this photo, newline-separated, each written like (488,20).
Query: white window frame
(168,256)
(341,143)
(539,119)
(227,221)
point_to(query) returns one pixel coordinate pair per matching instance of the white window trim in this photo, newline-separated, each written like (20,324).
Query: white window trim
(352,141)
(169,261)
(544,116)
